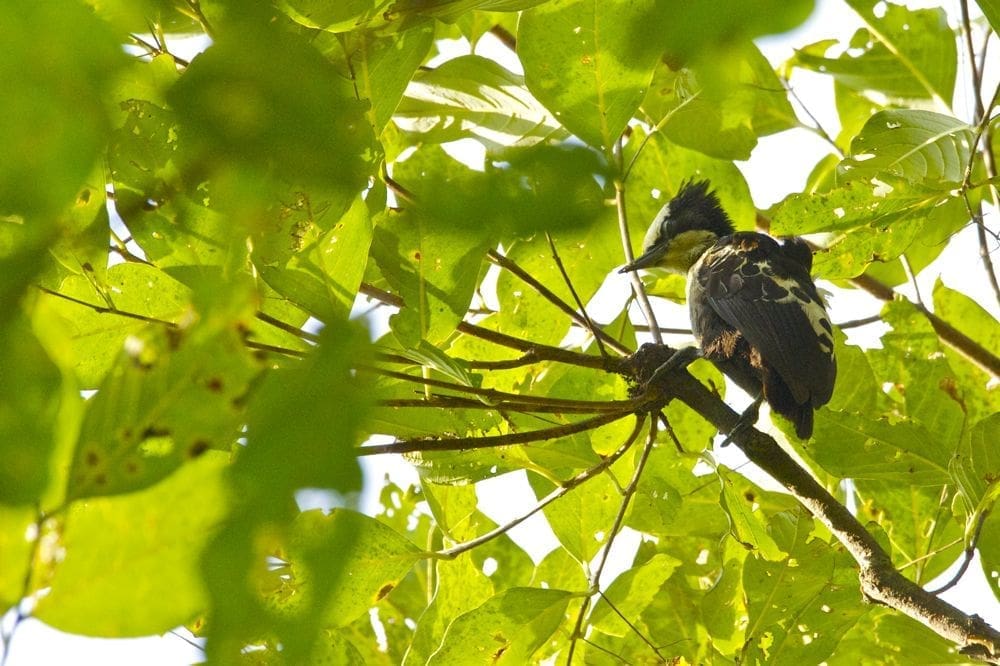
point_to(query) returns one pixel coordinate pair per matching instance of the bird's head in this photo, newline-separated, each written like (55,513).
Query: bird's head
(683,229)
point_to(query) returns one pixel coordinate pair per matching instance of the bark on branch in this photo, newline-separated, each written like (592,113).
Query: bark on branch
(880,581)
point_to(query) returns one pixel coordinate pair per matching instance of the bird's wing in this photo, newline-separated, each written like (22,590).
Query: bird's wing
(771,300)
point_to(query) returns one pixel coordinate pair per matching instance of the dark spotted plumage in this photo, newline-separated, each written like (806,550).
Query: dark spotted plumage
(755,311)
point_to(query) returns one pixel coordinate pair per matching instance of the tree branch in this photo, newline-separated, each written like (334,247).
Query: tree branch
(949,334)
(880,581)
(431,444)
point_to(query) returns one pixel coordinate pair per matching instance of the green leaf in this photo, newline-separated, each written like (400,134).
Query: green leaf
(340,564)
(968,316)
(461,588)
(749,523)
(55,118)
(903,53)
(991,8)
(471,95)
(860,447)
(924,148)
(122,552)
(98,332)
(630,594)
(167,400)
(582,520)
(313,261)
(590,63)
(882,223)
(799,608)
(433,268)
(242,113)
(337,16)
(32,397)
(722,104)
(383,65)
(507,629)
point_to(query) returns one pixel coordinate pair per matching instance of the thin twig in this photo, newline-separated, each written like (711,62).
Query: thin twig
(542,352)
(432,444)
(565,487)
(637,287)
(557,406)
(576,297)
(100,309)
(511,266)
(863,321)
(288,328)
(386,297)
(969,553)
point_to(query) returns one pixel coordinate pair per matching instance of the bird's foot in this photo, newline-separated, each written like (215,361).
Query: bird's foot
(746,421)
(681,358)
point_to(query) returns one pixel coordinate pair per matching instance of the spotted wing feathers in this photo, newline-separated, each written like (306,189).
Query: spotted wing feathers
(764,290)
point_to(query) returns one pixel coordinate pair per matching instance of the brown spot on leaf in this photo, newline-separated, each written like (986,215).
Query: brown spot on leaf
(91,458)
(749,496)
(214,384)
(198,447)
(100,479)
(153,431)
(384,591)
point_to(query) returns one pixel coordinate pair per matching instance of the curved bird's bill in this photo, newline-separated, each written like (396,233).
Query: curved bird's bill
(650,257)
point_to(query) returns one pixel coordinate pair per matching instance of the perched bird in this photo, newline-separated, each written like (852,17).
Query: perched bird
(755,311)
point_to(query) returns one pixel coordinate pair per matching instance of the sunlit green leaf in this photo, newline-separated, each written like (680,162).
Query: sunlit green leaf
(925,148)
(55,118)
(506,629)
(473,96)
(903,53)
(590,62)
(120,553)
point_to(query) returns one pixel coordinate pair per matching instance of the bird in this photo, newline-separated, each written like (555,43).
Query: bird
(755,312)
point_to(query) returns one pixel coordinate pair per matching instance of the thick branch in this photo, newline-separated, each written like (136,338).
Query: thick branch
(880,581)
(948,333)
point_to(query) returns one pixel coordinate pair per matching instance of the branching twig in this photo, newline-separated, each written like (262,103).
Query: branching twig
(582,477)
(595,579)
(509,265)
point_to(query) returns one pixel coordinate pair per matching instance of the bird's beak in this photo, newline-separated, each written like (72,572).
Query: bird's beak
(648,258)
